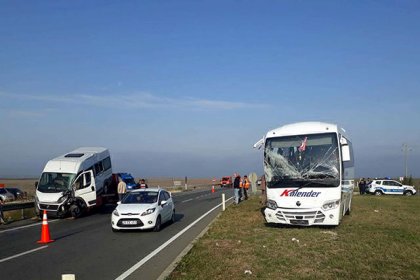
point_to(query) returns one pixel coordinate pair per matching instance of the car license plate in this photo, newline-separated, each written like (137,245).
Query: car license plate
(129,222)
(299,222)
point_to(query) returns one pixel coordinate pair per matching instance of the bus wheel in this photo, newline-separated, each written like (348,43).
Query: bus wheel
(349,209)
(75,211)
(378,193)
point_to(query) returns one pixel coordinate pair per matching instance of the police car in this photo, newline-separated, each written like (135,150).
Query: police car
(380,187)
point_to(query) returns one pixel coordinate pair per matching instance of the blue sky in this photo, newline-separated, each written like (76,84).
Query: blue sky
(185,88)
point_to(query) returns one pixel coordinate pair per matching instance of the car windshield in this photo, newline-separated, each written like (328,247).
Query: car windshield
(51,182)
(129,181)
(2,191)
(302,161)
(225,179)
(140,197)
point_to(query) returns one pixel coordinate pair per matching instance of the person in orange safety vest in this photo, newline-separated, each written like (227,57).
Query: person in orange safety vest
(245,186)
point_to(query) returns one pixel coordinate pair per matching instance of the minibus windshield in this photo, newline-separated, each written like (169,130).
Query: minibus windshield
(51,182)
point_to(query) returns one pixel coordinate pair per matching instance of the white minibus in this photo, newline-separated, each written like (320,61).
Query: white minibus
(74,182)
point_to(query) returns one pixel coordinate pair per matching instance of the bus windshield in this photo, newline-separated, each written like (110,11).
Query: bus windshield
(302,161)
(51,182)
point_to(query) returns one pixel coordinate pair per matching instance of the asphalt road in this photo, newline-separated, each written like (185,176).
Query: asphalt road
(89,249)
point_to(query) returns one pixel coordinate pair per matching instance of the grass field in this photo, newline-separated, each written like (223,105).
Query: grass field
(379,240)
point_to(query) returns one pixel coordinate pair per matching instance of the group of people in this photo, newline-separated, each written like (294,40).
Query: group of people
(241,186)
(122,187)
(363,185)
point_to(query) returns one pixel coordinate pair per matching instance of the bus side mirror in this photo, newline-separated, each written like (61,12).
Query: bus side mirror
(345,152)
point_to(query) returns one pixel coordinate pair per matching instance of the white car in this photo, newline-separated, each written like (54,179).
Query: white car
(380,187)
(143,209)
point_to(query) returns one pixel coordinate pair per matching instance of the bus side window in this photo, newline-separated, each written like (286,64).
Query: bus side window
(78,184)
(106,163)
(99,167)
(87,180)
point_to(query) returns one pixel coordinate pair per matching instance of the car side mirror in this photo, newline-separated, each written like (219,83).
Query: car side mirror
(118,202)
(36,184)
(163,203)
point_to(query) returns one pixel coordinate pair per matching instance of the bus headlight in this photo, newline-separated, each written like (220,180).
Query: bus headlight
(61,199)
(331,204)
(271,204)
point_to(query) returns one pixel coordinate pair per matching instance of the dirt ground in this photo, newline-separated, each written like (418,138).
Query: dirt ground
(28,185)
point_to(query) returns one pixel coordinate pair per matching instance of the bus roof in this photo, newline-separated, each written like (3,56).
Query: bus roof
(70,162)
(301,128)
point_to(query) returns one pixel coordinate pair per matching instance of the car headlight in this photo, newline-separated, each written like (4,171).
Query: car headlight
(115,213)
(332,204)
(271,204)
(148,211)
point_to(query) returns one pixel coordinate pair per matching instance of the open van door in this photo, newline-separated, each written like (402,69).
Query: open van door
(84,187)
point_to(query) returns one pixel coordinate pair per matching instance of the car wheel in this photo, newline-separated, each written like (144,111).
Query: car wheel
(173,217)
(157,225)
(408,193)
(114,229)
(378,193)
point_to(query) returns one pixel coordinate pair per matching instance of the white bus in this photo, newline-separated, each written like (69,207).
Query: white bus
(309,173)
(74,182)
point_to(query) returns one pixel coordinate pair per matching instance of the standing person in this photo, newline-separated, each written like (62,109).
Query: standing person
(240,188)
(122,188)
(245,186)
(362,185)
(143,184)
(237,188)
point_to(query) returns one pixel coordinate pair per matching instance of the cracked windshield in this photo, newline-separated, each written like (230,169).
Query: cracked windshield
(55,182)
(302,161)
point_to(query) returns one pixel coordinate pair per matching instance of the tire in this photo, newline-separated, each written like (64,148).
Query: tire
(157,224)
(348,209)
(378,193)
(114,229)
(173,217)
(75,211)
(408,193)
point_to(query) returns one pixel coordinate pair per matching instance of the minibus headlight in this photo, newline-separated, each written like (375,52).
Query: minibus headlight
(61,199)
(331,204)
(271,204)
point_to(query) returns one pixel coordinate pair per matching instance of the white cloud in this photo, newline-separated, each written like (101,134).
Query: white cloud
(138,100)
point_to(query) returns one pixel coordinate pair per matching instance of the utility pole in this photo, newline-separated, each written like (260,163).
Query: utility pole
(406,149)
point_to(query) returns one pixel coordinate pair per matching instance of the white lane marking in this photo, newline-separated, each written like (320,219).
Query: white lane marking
(161,247)
(188,200)
(24,253)
(17,228)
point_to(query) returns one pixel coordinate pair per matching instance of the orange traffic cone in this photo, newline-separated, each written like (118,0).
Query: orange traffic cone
(45,232)
(212,189)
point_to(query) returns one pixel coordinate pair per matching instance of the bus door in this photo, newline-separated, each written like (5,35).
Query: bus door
(84,187)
